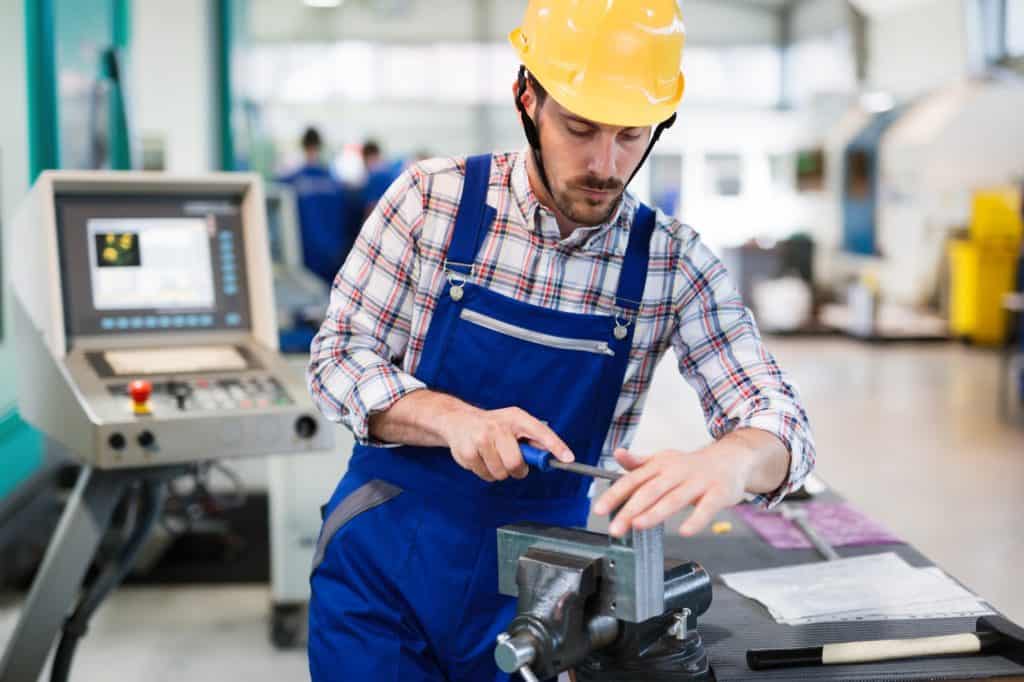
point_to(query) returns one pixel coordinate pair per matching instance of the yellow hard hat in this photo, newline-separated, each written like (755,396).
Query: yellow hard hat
(611,61)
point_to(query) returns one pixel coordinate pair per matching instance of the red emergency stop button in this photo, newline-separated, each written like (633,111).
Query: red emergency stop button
(140,391)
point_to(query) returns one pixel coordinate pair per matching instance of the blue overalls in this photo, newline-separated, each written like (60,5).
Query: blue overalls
(325,222)
(404,583)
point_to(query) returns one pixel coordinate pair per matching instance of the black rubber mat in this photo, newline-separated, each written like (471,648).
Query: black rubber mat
(735,624)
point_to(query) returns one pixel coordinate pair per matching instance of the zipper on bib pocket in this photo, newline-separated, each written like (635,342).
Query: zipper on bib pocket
(517,332)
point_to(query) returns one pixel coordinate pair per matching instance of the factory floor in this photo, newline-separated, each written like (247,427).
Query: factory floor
(910,434)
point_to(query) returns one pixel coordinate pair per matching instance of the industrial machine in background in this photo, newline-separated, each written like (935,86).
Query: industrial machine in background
(296,484)
(946,147)
(301,296)
(147,341)
(860,191)
(906,178)
(776,281)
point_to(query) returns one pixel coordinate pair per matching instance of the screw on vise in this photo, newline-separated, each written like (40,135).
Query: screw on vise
(680,628)
(512,656)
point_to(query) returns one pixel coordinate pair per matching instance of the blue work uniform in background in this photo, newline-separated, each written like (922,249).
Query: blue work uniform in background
(327,219)
(378,181)
(405,576)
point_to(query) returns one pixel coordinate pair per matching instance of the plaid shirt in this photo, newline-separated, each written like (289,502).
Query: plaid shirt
(365,355)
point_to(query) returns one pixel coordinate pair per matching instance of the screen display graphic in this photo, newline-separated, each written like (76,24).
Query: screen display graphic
(150,263)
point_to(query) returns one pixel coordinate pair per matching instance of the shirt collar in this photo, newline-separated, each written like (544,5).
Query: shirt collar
(537,217)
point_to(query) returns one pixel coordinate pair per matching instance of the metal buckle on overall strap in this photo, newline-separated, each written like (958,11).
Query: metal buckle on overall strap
(457,279)
(624,307)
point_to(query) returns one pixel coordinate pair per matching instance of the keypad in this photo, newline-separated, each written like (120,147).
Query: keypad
(214,394)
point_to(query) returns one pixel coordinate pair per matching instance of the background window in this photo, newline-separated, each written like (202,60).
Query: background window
(1015,28)
(724,174)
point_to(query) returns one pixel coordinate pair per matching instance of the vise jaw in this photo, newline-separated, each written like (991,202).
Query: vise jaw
(632,571)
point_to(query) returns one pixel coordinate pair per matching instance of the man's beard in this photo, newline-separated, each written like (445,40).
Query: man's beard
(586,211)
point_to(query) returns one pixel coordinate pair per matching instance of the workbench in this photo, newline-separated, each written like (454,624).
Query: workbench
(735,624)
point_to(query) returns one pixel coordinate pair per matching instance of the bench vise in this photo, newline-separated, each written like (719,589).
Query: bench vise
(610,609)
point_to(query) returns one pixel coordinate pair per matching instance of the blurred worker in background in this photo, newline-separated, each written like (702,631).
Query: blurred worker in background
(326,221)
(380,173)
(527,297)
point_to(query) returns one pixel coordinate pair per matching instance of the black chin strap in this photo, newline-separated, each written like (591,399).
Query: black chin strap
(662,127)
(533,135)
(530,128)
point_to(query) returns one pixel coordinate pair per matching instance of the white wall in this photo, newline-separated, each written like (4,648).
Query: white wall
(913,46)
(14,164)
(172,70)
(763,209)
(916,49)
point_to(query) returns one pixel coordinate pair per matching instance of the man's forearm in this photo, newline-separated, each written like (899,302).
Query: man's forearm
(418,418)
(767,458)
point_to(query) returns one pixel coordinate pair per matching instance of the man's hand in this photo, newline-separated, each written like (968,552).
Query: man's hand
(486,442)
(713,478)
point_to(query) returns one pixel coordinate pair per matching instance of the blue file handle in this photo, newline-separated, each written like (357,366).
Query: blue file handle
(535,457)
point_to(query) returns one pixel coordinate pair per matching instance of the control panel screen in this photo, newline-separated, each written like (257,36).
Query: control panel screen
(144,264)
(150,263)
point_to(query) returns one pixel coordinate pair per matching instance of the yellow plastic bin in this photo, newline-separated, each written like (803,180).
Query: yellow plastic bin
(996,216)
(981,273)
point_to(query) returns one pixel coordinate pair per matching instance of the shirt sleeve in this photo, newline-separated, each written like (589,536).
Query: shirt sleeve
(721,355)
(355,359)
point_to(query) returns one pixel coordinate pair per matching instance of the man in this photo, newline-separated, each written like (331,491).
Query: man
(526,297)
(379,174)
(327,228)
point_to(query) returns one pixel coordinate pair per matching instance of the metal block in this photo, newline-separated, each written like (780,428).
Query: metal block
(646,571)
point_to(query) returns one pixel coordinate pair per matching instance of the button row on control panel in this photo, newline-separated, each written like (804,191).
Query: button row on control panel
(156,322)
(305,427)
(229,272)
(167,322)
(145,439)
(224,394)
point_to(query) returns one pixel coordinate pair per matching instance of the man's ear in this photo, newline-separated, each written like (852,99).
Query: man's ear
(528,98)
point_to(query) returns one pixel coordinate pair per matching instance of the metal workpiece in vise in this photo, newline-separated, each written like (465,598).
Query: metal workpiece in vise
(610,609)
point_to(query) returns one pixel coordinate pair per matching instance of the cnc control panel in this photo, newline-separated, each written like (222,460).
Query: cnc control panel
(146,325)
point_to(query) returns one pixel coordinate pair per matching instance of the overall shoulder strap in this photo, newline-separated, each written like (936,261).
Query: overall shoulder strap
(634,266)
(474,215)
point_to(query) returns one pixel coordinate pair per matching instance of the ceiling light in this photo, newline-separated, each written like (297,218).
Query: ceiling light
(322,4)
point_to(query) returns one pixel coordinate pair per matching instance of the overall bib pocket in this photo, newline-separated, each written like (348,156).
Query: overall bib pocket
(532,336)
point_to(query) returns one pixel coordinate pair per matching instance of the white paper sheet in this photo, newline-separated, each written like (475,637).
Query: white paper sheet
(875,587)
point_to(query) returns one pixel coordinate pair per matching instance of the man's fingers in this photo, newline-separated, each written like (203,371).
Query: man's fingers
(668,505)
(639,502)
(623,488)
(628,460)
(511,456)
(480,469)
(712,503)
(477,466)
(492,460)
(541,435)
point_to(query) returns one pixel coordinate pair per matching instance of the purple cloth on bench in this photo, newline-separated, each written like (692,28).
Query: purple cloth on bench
(838,524)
